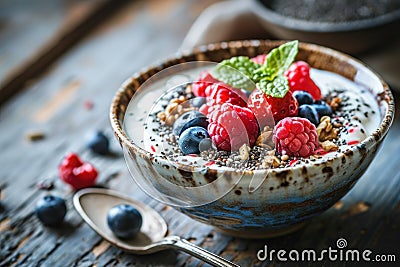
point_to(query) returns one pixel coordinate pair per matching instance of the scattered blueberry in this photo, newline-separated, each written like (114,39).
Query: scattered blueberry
(322,108)
(198,101)
(124,221)
(184,119)
(309,112)
(303,97)
(51,210)
(98,143)
(190,139)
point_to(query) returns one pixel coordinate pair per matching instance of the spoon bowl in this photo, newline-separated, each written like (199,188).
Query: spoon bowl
(93,205)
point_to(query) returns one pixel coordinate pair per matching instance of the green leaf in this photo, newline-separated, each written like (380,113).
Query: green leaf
(279,59)
(278,87)
(237,72)
(242,72)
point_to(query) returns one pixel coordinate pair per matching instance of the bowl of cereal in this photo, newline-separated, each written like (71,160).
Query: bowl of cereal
(253,137)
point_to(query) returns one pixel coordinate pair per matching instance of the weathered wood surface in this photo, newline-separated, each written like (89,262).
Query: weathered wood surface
(137,36)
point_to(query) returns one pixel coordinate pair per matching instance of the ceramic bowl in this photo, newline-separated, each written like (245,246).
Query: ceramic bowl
(350,36)
(287,197)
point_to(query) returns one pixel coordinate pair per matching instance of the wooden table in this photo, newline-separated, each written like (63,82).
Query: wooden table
(70,71)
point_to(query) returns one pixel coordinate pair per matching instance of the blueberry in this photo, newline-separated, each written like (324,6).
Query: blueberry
(309,112)
(186,118)
(51,210)
(322,108)
(303,97)
(124,221)
(190,140)
(200,122)
(198,101)
(98,143)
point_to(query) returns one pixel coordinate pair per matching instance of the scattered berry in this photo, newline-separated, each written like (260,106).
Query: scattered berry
(98,143)
(51,210)
(124,221)
(323,109)
(299,78)
(189,119)
(294,136)
(76,173)
(310,113)
(190,139)
(232,126)
(303,97)
(260,59)
(263,105)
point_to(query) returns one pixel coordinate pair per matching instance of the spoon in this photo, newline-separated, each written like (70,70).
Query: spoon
(93,205)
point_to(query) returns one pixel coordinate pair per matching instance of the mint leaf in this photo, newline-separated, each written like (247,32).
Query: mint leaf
(280,58)
(237,72)
(278,87)
(242,72)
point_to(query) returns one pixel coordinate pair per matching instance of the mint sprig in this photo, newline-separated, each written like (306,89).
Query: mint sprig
(242,72)
(237,71)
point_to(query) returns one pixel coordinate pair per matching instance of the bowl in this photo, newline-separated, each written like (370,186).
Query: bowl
(263,203)
(352,36)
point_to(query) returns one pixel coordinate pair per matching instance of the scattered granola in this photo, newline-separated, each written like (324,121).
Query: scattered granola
(329,146)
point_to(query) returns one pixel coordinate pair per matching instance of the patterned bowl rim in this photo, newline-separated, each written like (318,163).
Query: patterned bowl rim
(117,110)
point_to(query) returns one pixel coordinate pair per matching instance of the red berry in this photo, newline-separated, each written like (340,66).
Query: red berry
(299,78)
(221,94)
(260,59)
(232,126)
(295,136)
(76,173)
(264,105)
(206,84)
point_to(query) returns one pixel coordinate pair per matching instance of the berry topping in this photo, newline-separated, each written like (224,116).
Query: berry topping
(76,173)
(303,97)
(299,78)
(294,136)
(124,221)
(189,119)
(221,94)
(263,105)
(51,210)
(199,88)
(191,141)
(310,113)
(232,126)
(98,143)
(322,108)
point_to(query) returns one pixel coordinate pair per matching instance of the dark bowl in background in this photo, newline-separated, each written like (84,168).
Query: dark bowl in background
(349,36)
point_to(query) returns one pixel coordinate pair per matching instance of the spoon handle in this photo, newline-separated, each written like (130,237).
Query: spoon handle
(179,243)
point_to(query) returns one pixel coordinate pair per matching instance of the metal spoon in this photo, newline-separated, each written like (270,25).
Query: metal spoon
(93,205)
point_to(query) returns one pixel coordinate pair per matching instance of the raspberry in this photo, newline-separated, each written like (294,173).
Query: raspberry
(219,95)
(206,84)
(260,59)
(232,126)
(77,173)
(268,109)
(299,78)
(199,88)
(295,136)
